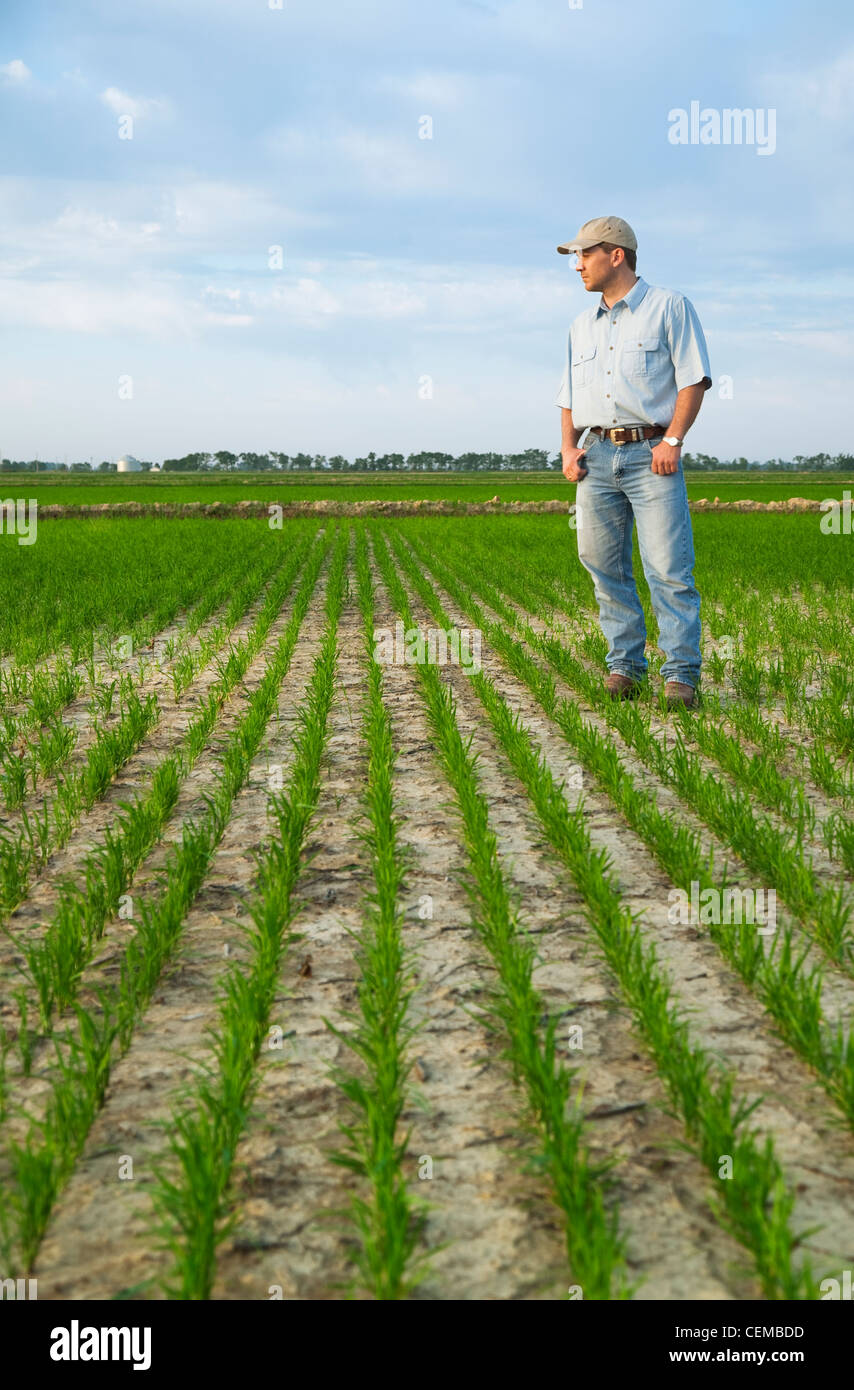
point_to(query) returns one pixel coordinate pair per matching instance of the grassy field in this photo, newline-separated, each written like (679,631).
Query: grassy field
(335,972)
(470,487)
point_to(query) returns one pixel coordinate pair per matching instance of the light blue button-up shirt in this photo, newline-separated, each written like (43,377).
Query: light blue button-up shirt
(625,365)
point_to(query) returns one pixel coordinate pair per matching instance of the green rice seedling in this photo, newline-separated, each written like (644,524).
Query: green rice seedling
(35,829)
(39,1170)
(389,1223)
(838,833)
(79,1088)
(193,1210)
(826,773)
(759,1208)
(727,811)
(55,964)
(53,747)
(595,1248)
(182,674)
(790,995)
(25,1037)
(30,1202)
(119,587)
(103,697)
(14,861)
(13,779)
(42,697)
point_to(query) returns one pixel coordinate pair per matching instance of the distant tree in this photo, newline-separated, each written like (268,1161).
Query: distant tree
(529,460)
(256,463)
(106,467)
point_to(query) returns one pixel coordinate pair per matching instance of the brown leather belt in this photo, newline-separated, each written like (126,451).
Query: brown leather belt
(630,433)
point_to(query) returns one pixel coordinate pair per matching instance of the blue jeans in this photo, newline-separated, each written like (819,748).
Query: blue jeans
(620,489)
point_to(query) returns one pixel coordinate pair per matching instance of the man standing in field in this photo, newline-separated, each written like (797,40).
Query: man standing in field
(636,371)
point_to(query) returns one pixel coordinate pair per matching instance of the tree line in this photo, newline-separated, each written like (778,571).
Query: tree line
(530,460)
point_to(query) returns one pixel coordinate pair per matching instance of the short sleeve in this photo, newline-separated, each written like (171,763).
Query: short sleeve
(564,395)
(687,344)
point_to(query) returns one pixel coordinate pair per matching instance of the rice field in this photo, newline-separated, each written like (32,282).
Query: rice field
(96,489)
(342,959)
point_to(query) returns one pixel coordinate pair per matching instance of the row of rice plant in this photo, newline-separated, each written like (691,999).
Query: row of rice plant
(389,1220)
(727,810)
(47,828)
(788,986)
(54,964)
(84,584)
(45,743)
(85,1051)
(192,1191)
(757,1206)
(580,1186)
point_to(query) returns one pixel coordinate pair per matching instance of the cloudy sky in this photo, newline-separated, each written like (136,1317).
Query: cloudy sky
(416,300)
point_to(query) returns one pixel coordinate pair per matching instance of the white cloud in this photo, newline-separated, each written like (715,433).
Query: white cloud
(388,164)
(826,90)
(89,307)
(90,226)
(16,71)
(210,211)
(307,299)
(832,343)
(125,105)
(228,320)
(446,90)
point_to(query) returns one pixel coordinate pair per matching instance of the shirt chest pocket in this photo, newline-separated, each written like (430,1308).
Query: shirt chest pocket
(583,366)
(644,357)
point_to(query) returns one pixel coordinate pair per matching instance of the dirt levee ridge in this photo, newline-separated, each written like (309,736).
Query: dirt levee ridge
(328,506)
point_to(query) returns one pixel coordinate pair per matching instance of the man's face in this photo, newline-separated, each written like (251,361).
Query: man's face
(595,268)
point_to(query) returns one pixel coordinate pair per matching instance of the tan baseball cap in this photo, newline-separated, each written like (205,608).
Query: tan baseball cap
(602,229)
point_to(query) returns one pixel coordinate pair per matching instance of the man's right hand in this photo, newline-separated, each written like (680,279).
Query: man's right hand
(573,468)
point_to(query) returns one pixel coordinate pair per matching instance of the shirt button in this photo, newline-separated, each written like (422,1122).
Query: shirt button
(611,349)
(608,396)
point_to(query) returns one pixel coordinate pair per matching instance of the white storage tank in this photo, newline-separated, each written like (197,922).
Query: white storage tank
(128,464)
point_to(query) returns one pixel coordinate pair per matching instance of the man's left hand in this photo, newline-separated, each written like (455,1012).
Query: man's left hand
(665,458)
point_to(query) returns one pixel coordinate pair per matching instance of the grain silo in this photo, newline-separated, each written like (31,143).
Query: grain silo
(128,464)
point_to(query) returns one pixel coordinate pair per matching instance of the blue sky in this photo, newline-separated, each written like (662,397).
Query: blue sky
(406,258)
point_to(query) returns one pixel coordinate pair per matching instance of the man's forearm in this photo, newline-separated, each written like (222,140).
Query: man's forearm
(568,433)
(687,407)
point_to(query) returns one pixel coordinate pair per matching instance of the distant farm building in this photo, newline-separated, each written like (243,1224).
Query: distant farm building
(128,464)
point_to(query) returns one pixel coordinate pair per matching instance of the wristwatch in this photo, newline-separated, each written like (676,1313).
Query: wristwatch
(673,439)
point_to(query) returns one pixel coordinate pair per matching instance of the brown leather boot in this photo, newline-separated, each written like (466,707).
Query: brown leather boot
(678,693)
(621,687)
